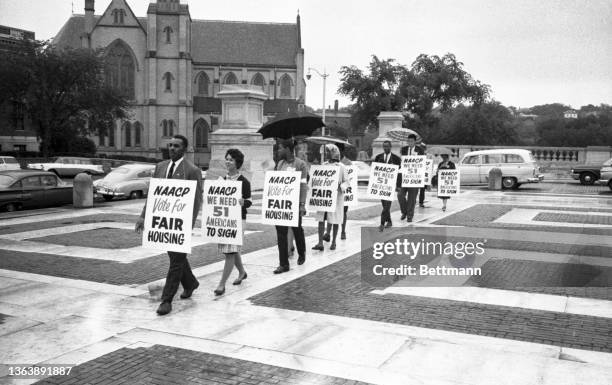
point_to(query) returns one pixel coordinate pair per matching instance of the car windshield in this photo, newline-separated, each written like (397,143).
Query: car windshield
(10,161)
(6,181)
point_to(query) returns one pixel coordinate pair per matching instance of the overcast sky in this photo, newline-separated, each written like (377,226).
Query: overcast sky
(529,52)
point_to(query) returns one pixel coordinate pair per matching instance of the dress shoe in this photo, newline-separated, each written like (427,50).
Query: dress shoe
(343,235)
(333,246)
(381,228)
(281,269)
(239,280)
(318,247)
(409,220)
(301,259)
(220,292)
(326,237)
(389,224)
(421,204)
(188,292)
(164,308)
(403,217)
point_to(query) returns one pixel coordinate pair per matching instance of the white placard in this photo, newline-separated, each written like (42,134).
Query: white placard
(413,170)
(428,171)
(280,203)
(382,183)
(448,183)
(222,213)
(350,195)
(169,215)
(323,188)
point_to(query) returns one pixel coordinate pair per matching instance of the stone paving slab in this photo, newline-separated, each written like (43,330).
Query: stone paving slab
(484,215)
(575,218)
(165,365)
(339,290)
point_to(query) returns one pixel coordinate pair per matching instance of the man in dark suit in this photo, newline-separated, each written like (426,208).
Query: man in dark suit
(407,196)
(387,157)
(179,271)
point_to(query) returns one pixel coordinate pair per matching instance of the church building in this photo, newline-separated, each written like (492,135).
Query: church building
(171,67)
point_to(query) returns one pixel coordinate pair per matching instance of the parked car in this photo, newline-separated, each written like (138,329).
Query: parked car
(518,166)
(69,166)
(363,171)
(606,174)
(130,180)
(9,163)
(587,174)
(22,189)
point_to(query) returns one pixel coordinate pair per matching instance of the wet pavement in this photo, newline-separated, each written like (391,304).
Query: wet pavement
(77,290)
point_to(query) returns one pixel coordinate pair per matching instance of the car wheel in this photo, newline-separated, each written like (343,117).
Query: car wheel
(587,178)
(11,207)
(136,195)
(107,197)
(509,182)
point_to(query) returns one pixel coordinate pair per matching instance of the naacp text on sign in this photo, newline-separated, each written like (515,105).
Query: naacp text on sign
(413,170)
(350,195)
(280,202)
(383,177)
(323,192)
(448,183)
(222,213)
(169,215)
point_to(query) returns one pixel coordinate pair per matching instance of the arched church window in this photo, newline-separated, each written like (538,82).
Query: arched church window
(171,126)
(168,78)
(118,16)
(111,136)
(137,134)
(258,80)
(230,78)
(164,124)
(127,129)
(203,83)
(201,129)
(119,69)
(285,86)
(168,31)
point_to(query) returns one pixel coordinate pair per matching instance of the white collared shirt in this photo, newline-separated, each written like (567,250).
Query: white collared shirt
(176,164)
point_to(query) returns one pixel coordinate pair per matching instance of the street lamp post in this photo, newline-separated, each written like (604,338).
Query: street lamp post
(323,75)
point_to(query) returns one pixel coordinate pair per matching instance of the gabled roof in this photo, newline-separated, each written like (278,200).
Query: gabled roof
(219,42)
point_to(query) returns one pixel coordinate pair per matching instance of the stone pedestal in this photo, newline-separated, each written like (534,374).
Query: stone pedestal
(387,120)
(82,191)
(241,117)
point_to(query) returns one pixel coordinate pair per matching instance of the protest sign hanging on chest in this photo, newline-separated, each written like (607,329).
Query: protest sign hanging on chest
(222,213)
(448,183)
(280,202)
(323,191)
(413,170)
(350,195)
(383,177)
(169,215)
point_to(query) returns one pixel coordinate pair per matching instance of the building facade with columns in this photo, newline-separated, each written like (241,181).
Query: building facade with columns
(172,67)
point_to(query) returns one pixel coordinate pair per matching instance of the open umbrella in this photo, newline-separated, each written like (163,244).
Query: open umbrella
(291,124)
(402,134)
(439,151)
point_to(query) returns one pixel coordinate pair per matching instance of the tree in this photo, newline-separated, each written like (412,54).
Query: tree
(484,124)
(62,90)
(431,81)
(549,111)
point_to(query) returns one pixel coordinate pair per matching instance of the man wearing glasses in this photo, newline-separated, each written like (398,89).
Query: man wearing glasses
(179,272)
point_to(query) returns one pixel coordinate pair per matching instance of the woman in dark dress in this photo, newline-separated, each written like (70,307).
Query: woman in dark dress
(233,161)
(445,165)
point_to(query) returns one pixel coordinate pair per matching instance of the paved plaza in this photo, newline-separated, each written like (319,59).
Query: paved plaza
(76,289)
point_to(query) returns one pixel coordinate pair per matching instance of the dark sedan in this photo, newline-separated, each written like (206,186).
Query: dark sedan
(26,189)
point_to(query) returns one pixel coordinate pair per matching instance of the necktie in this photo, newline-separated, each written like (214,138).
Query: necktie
(171,171)
(409,150)
(386,158)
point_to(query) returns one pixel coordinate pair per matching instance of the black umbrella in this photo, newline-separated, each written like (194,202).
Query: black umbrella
(291,124)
